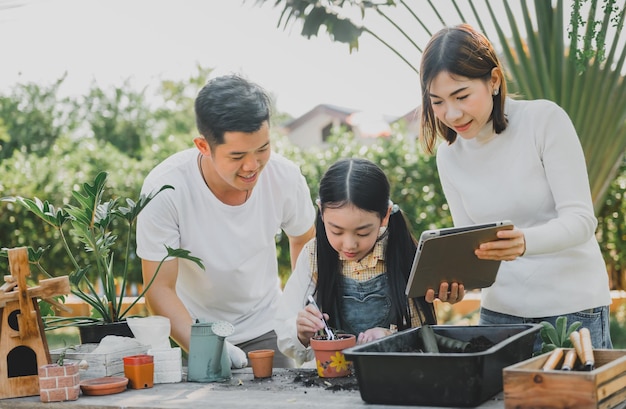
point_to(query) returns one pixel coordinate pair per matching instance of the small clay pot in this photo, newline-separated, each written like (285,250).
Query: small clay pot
(329,357)
(139,369)
(262,362)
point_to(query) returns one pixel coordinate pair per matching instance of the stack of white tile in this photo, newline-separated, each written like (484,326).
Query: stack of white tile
(168,364)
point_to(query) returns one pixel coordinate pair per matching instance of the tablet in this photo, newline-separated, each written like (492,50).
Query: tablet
(447,255)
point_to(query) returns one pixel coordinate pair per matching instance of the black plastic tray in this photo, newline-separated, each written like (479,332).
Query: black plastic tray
(387,374)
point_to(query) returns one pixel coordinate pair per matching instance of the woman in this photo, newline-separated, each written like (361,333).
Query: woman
(518,160)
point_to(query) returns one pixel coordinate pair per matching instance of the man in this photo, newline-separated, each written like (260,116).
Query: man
(231,196)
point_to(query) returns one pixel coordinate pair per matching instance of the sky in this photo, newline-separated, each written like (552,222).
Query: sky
(146,41)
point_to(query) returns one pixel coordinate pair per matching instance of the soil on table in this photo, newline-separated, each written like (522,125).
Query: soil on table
(311,379)
(296,379)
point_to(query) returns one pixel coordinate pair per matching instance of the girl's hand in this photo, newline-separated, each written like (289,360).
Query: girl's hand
(511,245)
(308,322)
(448,292)
(372,334)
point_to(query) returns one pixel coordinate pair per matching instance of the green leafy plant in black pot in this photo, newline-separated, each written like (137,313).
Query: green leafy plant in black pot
(97,225)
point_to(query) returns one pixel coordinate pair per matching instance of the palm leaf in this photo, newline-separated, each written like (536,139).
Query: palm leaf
(549,54)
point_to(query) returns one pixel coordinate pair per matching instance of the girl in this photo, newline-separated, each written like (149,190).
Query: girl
(357,267)
(522,161)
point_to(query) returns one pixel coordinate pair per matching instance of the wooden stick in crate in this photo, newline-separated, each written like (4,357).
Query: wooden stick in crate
(575,338)
(553,360)
(569,361)
(585,340)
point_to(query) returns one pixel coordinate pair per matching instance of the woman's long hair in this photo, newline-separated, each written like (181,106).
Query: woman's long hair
(360,183)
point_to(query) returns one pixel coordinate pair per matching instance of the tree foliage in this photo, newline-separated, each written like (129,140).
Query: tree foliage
(75,156)
(571,52)
(33,117)
(119,116)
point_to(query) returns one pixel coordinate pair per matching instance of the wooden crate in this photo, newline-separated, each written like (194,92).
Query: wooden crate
(100,364)
(527,386)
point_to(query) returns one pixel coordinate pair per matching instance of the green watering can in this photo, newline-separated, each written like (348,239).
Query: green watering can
(208,358)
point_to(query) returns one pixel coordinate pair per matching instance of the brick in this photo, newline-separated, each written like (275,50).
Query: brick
(56,395)
(67,381)
(43,370)
(60,394)
(55,370)
(47,383)
(73,392)
(71,369)
(43,395)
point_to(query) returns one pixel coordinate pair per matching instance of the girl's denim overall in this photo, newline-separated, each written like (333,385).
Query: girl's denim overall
(366,304)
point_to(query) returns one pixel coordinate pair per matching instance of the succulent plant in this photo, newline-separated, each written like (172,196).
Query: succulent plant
(557,336)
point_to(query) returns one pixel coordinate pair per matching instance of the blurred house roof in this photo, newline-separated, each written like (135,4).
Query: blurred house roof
(323,109)
(366,124)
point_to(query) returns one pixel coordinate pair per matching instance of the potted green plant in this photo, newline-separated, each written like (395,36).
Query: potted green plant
(98,225)
(59,381)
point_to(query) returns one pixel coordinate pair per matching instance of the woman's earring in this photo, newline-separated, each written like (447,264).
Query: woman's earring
(496,91)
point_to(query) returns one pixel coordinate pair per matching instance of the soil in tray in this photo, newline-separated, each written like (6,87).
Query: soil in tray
(477,344)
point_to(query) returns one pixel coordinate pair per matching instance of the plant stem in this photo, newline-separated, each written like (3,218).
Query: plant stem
(125,272)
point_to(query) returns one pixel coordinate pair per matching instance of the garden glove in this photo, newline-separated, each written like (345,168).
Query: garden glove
(238,358)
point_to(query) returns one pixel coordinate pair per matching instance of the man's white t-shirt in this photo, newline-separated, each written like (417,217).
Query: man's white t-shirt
(236,244)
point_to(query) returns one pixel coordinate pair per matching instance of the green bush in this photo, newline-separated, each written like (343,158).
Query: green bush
(49,166)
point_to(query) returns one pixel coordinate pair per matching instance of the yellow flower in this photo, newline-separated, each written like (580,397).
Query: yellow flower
(320,369)
(339,362)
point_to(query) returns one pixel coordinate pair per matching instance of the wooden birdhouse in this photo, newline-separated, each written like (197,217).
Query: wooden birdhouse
(22,339)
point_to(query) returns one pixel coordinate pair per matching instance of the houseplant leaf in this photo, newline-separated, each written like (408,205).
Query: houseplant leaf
(176,253)
(96,224)
(44,210)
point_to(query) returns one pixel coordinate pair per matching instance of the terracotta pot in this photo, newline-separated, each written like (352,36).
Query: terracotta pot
(329,358)
(262,362)
(139,369)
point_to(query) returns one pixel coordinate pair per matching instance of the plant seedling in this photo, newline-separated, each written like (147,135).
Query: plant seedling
(556,336)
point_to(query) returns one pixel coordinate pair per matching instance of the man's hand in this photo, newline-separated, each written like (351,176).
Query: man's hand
(238,358)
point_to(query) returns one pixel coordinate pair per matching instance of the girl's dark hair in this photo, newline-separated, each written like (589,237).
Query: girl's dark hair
(230,103)
(462,51)
(360,183)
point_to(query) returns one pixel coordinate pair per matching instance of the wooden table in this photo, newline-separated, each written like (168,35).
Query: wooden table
(288,388)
